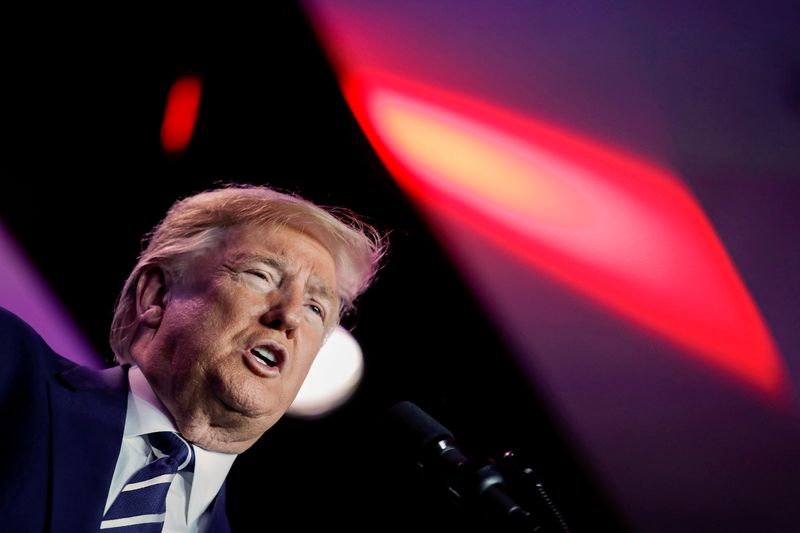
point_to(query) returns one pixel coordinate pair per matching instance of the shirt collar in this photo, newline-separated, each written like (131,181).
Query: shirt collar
(146,414)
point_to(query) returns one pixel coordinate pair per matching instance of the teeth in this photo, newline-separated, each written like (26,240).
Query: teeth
(266,356)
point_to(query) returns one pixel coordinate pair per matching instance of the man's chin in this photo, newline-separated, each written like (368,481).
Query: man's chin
(227,429)
(219,440)
(246,397)
(235,408)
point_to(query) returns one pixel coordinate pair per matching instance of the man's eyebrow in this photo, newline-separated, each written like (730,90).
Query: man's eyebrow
(316,287)
(247,257)
(322,290)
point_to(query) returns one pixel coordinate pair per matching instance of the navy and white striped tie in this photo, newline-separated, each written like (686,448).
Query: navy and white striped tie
(142,505)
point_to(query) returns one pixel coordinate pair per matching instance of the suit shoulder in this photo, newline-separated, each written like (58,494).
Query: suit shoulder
(9,320)
(21,344)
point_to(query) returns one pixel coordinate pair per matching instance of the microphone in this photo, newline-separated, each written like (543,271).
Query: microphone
(472,482)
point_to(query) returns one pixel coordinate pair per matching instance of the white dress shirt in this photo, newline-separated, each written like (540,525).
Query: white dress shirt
(190,494)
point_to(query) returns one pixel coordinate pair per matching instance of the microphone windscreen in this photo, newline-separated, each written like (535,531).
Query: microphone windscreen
(413,427)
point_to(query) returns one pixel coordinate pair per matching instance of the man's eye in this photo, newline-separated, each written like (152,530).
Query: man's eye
(259,274)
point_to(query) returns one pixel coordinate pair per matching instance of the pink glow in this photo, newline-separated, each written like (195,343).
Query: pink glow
(180,115)
(26,294)
(620,230)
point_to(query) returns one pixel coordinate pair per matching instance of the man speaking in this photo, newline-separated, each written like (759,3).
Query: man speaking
(215,330)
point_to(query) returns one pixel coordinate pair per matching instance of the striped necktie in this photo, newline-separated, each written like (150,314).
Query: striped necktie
(142,505)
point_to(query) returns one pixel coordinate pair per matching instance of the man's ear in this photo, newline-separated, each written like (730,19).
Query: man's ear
(152,296)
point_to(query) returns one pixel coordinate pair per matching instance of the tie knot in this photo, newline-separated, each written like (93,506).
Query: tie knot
(168,444)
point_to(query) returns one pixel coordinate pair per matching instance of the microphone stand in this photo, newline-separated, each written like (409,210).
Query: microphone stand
(478,484)
(509,494)
(524,481)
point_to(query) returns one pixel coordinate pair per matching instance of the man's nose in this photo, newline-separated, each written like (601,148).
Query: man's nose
(285,310)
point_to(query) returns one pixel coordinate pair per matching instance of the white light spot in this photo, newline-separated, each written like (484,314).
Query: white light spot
(333,377)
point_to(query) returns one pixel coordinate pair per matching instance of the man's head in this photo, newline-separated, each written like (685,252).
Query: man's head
(230,302)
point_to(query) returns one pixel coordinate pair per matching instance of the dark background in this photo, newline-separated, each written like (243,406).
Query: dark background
(84,178)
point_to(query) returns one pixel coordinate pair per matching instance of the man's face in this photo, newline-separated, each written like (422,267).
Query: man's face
(239,333)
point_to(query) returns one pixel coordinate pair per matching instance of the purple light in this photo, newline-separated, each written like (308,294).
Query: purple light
(26,294)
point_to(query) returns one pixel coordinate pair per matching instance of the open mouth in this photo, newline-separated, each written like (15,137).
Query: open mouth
(265,356)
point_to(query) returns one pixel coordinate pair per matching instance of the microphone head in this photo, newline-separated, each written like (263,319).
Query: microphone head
(413,427)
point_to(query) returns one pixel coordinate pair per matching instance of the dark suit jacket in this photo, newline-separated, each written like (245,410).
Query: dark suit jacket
(61,430)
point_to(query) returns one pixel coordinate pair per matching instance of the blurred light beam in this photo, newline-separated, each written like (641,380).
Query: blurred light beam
(180,114)
(25,293)
(619,230)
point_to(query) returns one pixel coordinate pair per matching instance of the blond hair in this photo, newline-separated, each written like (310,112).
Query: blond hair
(198,223)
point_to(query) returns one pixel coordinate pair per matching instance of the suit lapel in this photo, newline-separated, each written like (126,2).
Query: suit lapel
(218,523)
(88,418)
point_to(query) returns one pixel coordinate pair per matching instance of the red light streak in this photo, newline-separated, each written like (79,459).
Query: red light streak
(180,115)
(621,231)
